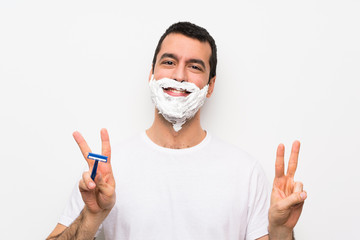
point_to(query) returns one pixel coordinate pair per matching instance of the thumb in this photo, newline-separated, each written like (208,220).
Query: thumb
(99,180)
(103,186)
(293,200)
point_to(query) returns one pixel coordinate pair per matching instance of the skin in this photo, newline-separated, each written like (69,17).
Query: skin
(98,196)
(287,197)
(183,59)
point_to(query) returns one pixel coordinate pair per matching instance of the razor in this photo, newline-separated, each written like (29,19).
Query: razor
(97,158)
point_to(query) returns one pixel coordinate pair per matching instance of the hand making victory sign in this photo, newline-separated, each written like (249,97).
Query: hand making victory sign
(287,197)
(98,195)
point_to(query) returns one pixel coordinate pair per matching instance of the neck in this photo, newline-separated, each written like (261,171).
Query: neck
(163,134)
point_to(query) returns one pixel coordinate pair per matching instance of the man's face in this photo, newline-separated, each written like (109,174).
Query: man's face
(184,59)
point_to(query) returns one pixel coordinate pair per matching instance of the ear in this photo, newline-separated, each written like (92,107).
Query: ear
(211,87)
(150,74)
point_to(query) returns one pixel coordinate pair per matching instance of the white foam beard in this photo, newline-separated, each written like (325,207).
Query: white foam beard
(176,109)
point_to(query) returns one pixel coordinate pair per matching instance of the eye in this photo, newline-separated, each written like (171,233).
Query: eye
(168,62)
(196,67)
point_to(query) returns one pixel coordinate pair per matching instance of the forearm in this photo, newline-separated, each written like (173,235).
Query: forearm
(279,234)
(84,227)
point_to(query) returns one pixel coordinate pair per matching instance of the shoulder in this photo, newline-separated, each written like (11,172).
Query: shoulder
(135,141)
(231,152)
(234,162)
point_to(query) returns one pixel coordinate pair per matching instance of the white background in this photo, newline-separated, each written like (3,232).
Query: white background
(286,70)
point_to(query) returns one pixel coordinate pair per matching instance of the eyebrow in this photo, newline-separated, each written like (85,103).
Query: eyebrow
(192,60)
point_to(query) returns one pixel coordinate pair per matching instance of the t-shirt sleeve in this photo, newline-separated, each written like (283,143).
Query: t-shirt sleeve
(73,208)
(259,202)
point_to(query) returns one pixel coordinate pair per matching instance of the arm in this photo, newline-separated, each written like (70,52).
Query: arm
(287,197)
(98,196)
(57,231)
(84,227)
(267,237)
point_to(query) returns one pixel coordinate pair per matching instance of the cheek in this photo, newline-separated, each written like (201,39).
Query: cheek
(199,81)
(162,73)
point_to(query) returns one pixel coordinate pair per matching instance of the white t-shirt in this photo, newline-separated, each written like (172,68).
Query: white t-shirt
(212,191)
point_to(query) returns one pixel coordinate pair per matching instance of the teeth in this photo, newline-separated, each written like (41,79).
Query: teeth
(175,90)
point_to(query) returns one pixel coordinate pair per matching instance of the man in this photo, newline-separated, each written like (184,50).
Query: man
(176,181)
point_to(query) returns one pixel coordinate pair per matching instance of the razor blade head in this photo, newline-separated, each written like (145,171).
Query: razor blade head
(97,157)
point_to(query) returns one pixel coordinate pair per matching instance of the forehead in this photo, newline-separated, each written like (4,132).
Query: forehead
(185,47)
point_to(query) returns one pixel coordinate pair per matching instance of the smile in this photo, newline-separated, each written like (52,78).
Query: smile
(176,92)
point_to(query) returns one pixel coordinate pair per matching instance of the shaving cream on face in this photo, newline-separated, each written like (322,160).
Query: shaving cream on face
(177,109)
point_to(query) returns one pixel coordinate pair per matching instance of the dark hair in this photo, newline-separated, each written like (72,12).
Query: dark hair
(193,31)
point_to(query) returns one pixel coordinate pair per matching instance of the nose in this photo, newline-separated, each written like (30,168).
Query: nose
(179,74)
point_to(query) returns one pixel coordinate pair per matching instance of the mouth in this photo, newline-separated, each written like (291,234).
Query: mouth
(176,92)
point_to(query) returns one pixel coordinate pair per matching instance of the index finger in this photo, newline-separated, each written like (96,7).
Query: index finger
(293,161)
(84,148)
(279,163)
(105,144)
